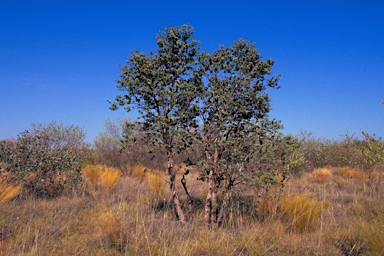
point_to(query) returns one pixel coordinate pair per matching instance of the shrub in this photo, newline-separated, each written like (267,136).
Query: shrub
(301,212)
(321,175)
(47,152)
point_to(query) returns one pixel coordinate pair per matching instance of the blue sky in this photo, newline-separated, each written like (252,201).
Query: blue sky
(59,59)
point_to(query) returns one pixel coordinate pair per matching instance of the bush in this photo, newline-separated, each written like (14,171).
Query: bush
(47,159)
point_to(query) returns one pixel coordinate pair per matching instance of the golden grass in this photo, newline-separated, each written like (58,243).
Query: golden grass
(156,183)
(361,237)
(350,173)
(112,227)
(321,175)
(302,212)
(155,179)
(339,181)
(109,177)
(96,176)
(8,191)
(138,171)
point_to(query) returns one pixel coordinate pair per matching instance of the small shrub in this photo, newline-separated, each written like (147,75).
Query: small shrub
(301,212)
(47,152)
(321,175)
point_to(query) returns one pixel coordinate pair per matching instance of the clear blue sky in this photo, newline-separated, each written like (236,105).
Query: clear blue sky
(59,59)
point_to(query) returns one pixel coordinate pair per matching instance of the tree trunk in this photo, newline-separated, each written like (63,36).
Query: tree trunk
(172,185)
(211,205)
(223,206)
(214,207)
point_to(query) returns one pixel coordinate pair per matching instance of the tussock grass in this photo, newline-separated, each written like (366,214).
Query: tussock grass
(322,175)
(100,177)
(156,183)
(8,190)
(154,178)
(302,212)
(138,171)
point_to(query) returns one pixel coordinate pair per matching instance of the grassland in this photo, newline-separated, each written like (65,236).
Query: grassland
(333,211)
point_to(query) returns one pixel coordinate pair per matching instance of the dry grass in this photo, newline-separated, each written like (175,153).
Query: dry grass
(8,192)
(327,219)
(302,212)
(350,173)
(138,171)
(322,175)
(154,178)
(156,183)
(100,177)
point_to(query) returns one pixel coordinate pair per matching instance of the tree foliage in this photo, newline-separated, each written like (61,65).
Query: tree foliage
(161,87)
(233,113)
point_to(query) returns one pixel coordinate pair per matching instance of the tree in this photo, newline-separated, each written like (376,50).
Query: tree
(162,86)
(233,113)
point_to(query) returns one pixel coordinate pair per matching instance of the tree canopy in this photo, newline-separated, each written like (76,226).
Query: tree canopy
(161,86)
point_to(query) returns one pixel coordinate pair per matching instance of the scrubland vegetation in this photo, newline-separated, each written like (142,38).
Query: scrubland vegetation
(205,171)
(321,210)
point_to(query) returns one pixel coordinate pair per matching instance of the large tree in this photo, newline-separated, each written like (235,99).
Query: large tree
(162,87)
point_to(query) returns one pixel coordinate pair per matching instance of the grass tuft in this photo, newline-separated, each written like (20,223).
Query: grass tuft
(98,177)
(156,183)
(8,191)
(302,212)
(321,175)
